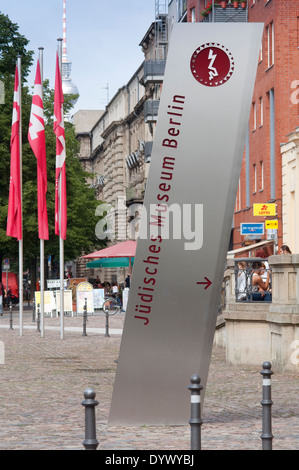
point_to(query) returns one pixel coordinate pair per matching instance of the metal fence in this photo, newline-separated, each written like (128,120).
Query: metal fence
(253,280)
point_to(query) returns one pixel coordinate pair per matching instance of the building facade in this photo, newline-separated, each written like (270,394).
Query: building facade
(274,113)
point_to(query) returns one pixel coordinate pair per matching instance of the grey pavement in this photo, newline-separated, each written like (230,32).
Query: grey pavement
(42,381)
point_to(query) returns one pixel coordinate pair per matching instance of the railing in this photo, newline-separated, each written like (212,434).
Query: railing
(247,272)
(151,110)
(154,70)
(218,14)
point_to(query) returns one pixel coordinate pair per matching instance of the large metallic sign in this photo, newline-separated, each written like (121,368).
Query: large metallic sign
(186,222)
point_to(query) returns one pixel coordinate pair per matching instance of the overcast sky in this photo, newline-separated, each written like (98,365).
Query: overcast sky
(103,38)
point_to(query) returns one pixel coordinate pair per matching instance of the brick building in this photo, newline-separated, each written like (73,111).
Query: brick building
(274,113)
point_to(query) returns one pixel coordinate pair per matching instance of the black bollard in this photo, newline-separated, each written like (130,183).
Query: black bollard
(195,421)
(90,442)
(38,320)
(84,318)
(33,311)
(266,403)
(10,316)
(107,324)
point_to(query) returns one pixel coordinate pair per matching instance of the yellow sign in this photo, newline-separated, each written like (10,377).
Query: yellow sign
(264,209)
(271,224)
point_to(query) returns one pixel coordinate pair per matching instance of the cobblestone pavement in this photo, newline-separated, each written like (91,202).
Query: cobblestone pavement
(42,381)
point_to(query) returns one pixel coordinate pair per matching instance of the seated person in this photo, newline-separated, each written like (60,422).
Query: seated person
(259,287)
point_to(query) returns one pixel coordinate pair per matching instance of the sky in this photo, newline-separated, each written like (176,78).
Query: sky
(103,38)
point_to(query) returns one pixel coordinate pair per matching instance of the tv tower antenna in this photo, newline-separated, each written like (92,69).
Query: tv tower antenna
(68,86)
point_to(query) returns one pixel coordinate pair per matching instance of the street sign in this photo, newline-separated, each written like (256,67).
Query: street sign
(6,267)
(271,224)
(186,221)
(6,261)
(252,229)
(264,209)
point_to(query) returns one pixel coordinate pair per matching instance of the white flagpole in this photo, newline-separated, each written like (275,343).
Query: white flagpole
(21,192)
(42,242)
(61,241)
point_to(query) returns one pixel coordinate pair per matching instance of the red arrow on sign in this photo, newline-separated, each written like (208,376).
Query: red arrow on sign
(207,283)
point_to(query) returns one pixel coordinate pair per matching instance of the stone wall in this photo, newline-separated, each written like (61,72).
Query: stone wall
(254,332)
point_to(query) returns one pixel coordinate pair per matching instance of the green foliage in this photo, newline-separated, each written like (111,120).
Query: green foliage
(81,200)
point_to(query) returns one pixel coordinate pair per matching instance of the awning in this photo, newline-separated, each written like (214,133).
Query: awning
(125,249)
(110,263)
(232,253)
(120,250)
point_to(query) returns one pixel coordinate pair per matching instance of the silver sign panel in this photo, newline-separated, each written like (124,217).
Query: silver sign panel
(186,221)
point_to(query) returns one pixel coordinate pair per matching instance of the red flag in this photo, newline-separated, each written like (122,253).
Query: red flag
(14,215)
(37,140)
(60,181)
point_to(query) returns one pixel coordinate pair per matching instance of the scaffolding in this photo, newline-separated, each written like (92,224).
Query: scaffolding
(161,30)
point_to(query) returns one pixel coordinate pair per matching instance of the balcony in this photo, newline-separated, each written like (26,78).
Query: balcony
(151,110)
(148,146)
(154,70)
(230,13)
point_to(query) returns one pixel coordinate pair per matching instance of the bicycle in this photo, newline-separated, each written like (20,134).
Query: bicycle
(111,306)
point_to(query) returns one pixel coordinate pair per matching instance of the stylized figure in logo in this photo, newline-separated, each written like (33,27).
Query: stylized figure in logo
(212,64)
(213,71)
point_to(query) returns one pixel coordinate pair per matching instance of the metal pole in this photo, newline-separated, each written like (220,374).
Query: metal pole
(195,421)
(90,442)
(61,241)
(266,403)
(10,316)
(84,318)
(21,192)
(42,242)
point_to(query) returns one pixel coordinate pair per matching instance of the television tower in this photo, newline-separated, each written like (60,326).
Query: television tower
(68,86)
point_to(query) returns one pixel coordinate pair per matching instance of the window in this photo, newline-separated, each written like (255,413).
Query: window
(253,116)
(261,53)
(254,178)
(193,19)
(262,175)
(261,105)
(270,44)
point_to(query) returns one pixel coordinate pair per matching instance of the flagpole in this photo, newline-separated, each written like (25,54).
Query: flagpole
(42,242)
(61,241)
(19,63)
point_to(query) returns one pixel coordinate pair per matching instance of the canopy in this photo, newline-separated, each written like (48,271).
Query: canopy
(110,263)
(121,250)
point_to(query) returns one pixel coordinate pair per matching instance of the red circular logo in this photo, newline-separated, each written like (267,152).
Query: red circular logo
(212,64)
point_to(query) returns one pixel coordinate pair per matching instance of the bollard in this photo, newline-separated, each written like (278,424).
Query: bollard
(84,318)
(195,421)
(33,311)
(38,320)
(107,325)
(90,442)
(10,316)
(266,403)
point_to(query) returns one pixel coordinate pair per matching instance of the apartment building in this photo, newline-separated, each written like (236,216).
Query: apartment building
(274,116)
